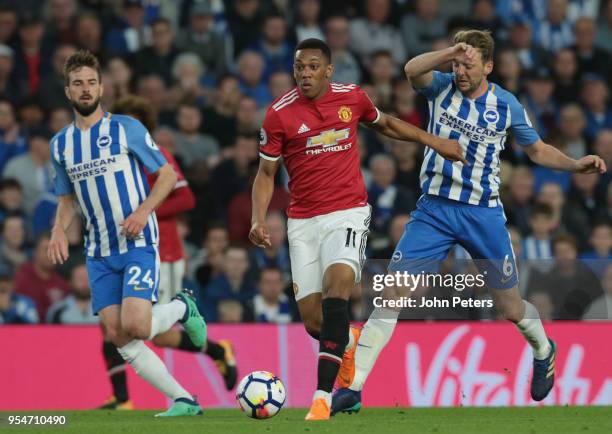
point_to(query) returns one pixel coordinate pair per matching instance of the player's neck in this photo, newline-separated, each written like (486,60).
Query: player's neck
(322,93)
(479,91)
(86,122)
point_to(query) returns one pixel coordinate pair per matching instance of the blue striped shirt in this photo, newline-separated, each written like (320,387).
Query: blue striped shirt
(104,167)
(481,127)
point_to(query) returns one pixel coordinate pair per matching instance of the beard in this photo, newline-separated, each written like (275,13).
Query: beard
(86,110)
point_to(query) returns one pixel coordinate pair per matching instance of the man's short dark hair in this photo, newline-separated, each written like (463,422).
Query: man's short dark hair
(80,59)
(315,44)
(10,183)
(541,209)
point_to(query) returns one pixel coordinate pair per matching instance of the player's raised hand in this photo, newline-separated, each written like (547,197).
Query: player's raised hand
(464,52)
(259,235)
(449,149)
(133,225)
(591,164)
(57,251)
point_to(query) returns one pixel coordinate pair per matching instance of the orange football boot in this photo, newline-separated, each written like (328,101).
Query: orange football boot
(319,410)
(346,373)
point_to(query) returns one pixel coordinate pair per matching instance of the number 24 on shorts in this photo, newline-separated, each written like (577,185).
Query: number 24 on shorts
(134,272)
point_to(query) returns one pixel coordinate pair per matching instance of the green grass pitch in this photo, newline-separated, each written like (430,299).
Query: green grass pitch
(542,420)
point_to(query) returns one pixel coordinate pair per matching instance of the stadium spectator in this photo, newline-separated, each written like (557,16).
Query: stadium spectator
(406,105)
(8,25)
(13,252)
(347,68)
(408,160)
(308,17)
(599,256)
(277,254)
(395,232)
(538,245)
(58,118)
(372,33)
(32,59)
(587,195)
(244,19)
(191,144)
(208,263)
(32,170)
(52,85)
(158,58)
(250,73)
(571,128)
(420,29)
(15,308)
(280,83)
(221,114)
(31,113)
(204,40)
(153,88)
(571,284)
(12,140)
(382,71)
(11,87)
(60,28)
(591,59)
(76,307)
(539,100)
(603,144)
(555,31)
(121,76)
(232,284)
(530,53)
(231,176)
(565,71)
(543,303)
(39,280)
(187,71)
(201,216)
(508,71)
(11,198)
(270,304)
(247,121)
(385,198)
(517,201)
(132,32)
(485,17)
(274,47)
(594,95)
(231,311)
(565,217)
(89,35)
(604,28)
(601,307)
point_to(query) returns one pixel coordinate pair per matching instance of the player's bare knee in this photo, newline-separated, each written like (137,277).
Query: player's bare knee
(136,330)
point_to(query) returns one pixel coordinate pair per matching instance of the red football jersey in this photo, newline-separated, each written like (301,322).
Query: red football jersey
(318,142)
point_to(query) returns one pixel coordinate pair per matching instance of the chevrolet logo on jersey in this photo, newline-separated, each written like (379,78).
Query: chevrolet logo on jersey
(328,140)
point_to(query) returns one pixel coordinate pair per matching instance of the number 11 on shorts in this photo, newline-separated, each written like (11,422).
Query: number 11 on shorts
(350,233)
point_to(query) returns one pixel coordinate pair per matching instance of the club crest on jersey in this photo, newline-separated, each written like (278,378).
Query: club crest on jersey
(491,116)
(104,141)
(345,114)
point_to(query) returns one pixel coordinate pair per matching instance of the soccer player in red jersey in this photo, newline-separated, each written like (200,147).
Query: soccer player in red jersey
(314,128)
(172,270)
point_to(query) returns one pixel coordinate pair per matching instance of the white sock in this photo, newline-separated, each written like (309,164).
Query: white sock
(374,336)
(150,367)
(325,395)
(351,341)
(165,315)
(531,327)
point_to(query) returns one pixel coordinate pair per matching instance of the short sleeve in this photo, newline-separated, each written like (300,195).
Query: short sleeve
(369,112)
(439,82)
(61,182)
(520,125)
(141,144)
(271,136)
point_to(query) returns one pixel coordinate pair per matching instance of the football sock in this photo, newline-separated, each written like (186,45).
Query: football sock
(531,327)
(334,337)
(165,315)
(115,366)
(214,350)
(374,336)
(186,345)
(150,367)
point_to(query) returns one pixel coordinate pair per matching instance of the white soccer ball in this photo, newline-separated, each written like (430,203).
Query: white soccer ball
(260,394)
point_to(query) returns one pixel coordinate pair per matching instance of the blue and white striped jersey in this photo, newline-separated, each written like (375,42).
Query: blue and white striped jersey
(104,167)
(481,127)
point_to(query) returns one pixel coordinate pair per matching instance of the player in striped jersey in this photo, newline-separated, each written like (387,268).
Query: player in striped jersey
(460,202)
(99,160)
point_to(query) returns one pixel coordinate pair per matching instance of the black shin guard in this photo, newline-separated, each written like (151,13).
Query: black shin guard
(115,365)
(334,338)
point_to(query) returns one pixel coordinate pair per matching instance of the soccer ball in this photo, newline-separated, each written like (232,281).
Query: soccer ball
(260,394)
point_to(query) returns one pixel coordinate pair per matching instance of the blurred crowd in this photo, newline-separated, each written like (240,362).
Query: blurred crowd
(211,68)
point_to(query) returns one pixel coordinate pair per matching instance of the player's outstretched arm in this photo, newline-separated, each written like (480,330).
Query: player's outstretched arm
(263,188)
(548,156)
(58,245)
(419,69)
(397,129)
(133,225)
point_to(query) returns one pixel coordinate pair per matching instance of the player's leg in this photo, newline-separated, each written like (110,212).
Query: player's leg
(115,367)
(485,236)
(139,320)
(426,241)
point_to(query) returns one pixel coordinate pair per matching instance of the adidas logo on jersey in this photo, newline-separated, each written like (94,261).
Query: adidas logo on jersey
(303,129)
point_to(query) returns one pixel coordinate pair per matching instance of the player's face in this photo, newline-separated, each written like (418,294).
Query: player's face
(312,72)
(469,74)
(84,90)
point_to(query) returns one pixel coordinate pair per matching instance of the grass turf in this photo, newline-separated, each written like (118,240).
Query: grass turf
(541,420)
